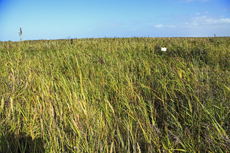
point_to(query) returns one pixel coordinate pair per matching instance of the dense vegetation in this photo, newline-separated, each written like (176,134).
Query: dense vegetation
(115,95)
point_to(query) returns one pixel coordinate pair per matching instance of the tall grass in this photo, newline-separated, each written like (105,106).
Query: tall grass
(115,95)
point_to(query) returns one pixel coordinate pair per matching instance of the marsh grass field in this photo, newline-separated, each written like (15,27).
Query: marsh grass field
(115,95)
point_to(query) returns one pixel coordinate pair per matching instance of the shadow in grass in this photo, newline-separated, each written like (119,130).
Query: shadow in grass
(11,143)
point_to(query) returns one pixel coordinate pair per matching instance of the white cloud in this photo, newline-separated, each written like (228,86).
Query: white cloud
(202,23)
(198,13)
(158,26)
(205,20)
(185,1)
(226,9)
(171,26)
(203,26)
(226,20)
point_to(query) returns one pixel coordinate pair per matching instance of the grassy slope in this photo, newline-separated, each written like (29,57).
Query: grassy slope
(115,95)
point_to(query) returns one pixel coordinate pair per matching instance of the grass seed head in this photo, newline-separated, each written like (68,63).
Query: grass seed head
(156,129)
(20,32)
(226,139)
(175,138)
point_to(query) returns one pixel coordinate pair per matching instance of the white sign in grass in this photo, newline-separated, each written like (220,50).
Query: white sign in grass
(164,49)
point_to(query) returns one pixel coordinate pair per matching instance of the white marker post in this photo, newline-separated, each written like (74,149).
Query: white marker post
(163,49)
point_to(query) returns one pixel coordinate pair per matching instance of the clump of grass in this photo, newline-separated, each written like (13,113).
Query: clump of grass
(115,95)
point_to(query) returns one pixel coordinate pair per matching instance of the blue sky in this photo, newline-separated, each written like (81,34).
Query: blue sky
(62,19)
